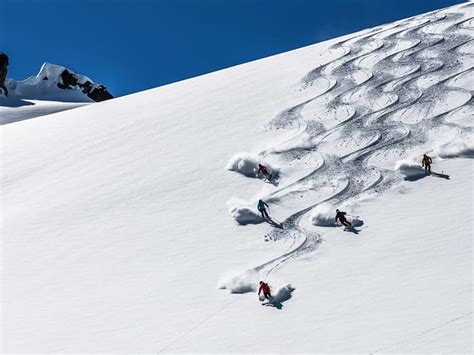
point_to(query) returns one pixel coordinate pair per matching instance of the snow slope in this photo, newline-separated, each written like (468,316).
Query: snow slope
(118,229)
(14,110)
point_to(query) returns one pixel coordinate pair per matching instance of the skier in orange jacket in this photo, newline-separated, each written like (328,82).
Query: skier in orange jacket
(426,162)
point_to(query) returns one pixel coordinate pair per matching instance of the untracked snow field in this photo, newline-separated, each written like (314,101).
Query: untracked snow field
(131,225)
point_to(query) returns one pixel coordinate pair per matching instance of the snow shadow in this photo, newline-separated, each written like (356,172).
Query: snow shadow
(414,172)
(323,215)
(274,223)
(283,295)
(419,176)
(245,215)
(356,222)
(460,149)
(411,170)
(415,177)
(239,283)
(242,213)
(352,229)
(438,175)
(12,102)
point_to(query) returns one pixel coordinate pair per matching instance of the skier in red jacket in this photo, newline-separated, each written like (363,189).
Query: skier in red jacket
(265,289)
(264,171)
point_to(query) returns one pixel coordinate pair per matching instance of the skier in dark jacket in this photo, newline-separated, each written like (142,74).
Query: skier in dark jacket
(261,208)
(265,288)
(342,218)
(426,162)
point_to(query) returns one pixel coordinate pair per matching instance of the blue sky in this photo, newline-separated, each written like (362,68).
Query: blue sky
(133,45)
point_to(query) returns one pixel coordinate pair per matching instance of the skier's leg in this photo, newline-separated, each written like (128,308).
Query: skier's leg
(266,214)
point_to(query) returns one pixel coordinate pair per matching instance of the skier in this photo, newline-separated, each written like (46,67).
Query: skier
(261,208)
(264,171)
(426,162)
(266,291)
(342,218)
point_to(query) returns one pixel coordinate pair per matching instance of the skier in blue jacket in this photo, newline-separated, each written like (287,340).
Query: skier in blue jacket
(261,208)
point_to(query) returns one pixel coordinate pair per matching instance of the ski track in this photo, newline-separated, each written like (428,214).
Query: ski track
(380,100)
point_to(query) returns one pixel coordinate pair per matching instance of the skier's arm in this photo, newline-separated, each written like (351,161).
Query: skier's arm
(265,204)
(260,290)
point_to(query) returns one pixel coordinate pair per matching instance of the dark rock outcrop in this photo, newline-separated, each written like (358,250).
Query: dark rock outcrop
(96,92)
(68,80)
(100,93)
(3,71)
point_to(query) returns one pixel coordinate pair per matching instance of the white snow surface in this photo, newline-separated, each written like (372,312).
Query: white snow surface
(14,110)
(118,219)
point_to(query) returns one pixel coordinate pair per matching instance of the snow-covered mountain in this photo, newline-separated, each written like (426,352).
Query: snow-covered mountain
(131,226)
(55,88)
